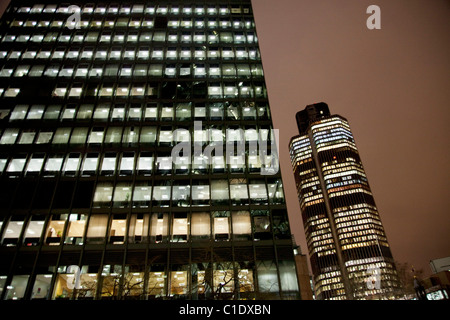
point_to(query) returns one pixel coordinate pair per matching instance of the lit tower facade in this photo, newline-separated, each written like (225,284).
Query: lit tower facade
(349,253)
(95,96)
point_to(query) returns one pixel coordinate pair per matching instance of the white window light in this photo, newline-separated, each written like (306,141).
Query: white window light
(11,92)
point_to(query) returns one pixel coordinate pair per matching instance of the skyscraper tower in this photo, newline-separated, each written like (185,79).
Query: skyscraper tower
(349,252)
(94,202)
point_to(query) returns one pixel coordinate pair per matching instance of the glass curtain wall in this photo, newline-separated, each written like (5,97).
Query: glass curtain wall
(90,116)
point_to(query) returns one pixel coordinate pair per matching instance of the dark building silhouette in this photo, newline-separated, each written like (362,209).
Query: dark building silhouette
(348,249)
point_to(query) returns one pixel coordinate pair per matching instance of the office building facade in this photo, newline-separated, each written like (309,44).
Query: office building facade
(349,252)
(94,204)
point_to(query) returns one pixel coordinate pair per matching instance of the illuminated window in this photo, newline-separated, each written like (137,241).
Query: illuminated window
(126,166)
(117,231)
(21,71)
(34,230)
(75,229)
(16,290)
(35,164)
(12,231)
(122,195)
(145,163)
(54,164)
(11,92)
(9,136)
(200,226)
(109,164)
(79,136)
(90,164)
(96,231)
(159,227)
(27,137)
(241,225)
(178,282)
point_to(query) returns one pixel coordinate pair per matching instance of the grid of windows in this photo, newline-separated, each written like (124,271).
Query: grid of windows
(90,114)
(158,227)
(346,239)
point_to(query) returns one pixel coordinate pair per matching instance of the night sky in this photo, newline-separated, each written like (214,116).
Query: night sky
(393,85)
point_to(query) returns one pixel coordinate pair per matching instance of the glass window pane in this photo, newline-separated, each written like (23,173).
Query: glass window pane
(16,290)
(69,113)
(16,165)
(145,164)
(41,286)
(161,195)
(242,227)
(139,227)
(200,194)
(155,70)
(34,231)
(118,230)
(12,231)
(267,277)
(118,114)
(163,165)
(103,194)
(167,114)
(243,70)
(96,232)
(113,135)
(96,136)
(135,113)
(35,164)
(122,195)
(101,112)
(54,164)
(142,195)
(148,135)
(21,71)
(85,111)
(229,71)
(127,164)
(19,112)
(239,193)
(55,229)
(36,71)
(181,195)
(2,167)
(79,136)
(276,193)
(200,225)
(183,111)
(72,163)
(9,136)
(165,137)
(108,164)
(221,225)
(90,163)
(27,137)
(219,191)
(159,227)
(52,112)
(44,137)
(61,136)
(179,227)
(75,229)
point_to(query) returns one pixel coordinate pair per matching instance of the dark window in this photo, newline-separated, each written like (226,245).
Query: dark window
(83,194)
